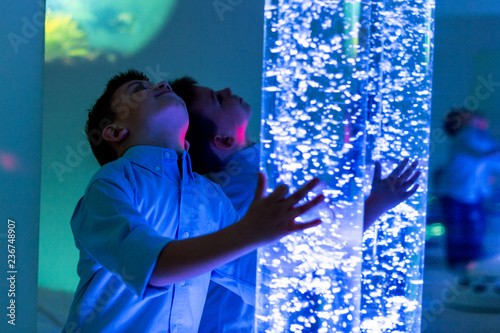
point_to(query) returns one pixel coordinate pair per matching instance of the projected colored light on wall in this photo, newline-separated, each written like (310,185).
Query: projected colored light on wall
(8,161)
(88,29)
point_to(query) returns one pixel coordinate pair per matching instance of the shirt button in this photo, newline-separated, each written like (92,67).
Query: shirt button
(157,168)
(166,154)
(185,235)
(183,283)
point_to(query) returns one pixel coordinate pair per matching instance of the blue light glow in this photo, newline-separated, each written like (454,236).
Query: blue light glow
(315,65)
(398,126)
(341,78)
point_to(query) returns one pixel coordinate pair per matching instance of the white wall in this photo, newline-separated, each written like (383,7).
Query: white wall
(197,41)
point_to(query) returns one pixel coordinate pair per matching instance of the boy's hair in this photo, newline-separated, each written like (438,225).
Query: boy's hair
(201,130)
(102,114)
(456,118)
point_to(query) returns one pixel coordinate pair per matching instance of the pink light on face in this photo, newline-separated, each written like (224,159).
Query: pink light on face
(240,134)
(480,123)
(8,161)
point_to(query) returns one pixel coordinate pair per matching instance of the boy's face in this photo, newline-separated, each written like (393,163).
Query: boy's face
(148,109)
(229,112)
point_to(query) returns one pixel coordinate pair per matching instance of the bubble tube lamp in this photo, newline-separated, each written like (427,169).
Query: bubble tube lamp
(320,111)
(399,99)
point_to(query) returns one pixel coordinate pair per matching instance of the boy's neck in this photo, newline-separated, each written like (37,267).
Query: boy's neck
(223,154)
(174,140)
(175,146)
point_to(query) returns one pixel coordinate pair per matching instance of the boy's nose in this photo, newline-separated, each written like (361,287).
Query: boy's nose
(227,91)
(163,85)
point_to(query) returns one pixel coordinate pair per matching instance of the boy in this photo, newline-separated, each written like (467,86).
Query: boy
(149,230)
(472,158)
(221,149)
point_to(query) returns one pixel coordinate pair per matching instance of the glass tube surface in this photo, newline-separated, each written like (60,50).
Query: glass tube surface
(342,78)
(313,124)
(398,126)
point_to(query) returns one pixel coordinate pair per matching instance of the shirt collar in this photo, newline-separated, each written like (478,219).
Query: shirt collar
(251,154)
(156,159)
(187,164)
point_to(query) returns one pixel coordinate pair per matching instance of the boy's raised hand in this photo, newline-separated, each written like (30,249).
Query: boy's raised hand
(267,220)
(387,193)
(272,217)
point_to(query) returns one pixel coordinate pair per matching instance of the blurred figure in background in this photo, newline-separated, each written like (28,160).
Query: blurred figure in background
(464,185)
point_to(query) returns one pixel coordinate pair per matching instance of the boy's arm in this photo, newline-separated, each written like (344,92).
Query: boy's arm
(387,193)
(267,220)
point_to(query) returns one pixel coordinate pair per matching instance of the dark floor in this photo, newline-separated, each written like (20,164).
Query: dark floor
(463,302)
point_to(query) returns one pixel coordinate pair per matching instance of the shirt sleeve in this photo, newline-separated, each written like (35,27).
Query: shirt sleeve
(110,229)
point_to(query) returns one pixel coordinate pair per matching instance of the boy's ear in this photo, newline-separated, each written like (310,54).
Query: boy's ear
(112,133)
(223,142)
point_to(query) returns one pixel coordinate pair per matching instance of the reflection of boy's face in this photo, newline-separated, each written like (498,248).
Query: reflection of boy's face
(229,112)
(147,109)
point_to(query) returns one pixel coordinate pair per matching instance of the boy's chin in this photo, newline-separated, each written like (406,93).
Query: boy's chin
(180,101)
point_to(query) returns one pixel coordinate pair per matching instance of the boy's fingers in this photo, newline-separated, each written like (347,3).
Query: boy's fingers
(261,186)
(377,174)
(279,192)
(399,168)
(411,191)
(302,192)
(412,180)
(305,225)
(410,170)
(297,211)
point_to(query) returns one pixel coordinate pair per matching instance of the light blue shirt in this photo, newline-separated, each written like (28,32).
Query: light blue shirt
(225,311)
(131,209)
